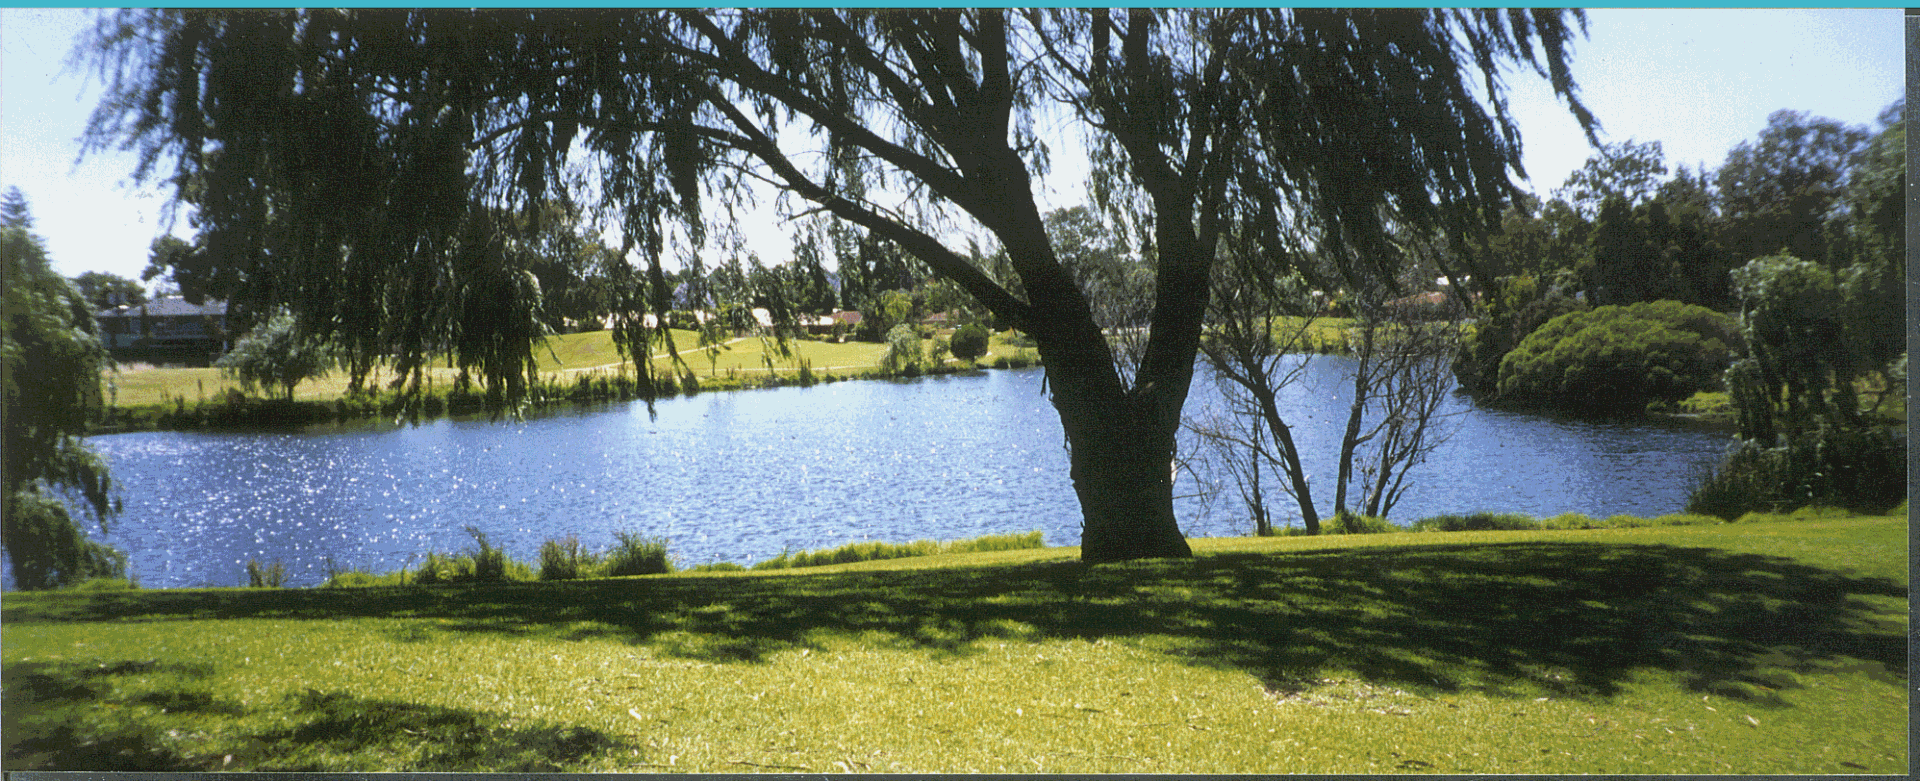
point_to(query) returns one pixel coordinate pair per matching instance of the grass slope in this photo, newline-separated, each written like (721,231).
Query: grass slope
(1749,648)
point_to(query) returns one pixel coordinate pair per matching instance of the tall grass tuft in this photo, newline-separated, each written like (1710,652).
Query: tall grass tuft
(265,575)
(435,569)
(489,564)
(1350,523)
(1476,522)
(565,560)
(636,555)
(875,551)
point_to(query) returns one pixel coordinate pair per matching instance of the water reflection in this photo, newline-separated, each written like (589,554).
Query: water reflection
(742,476)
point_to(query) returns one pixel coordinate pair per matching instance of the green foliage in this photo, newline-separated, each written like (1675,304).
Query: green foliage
(276,354)
(1777,191)
(265,575)
(1354,523)
(1864,470)
(1800,370)
(50,358)
(633,554)
(969,342)
(1476,522)
(1515,308)
(876,551)
(904,355)
(105,291)
(435,569)
(1618,359)
(565,560)
(489,564)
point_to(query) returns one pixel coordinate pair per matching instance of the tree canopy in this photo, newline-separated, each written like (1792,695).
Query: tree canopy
(335,158)
(51,358)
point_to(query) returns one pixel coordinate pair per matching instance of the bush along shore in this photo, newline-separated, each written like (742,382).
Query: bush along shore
(633,553)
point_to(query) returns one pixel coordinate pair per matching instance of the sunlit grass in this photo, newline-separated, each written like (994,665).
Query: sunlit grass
(1772,646)
(560,358)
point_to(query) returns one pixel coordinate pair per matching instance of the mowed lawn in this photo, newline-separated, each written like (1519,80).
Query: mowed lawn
(1773,647)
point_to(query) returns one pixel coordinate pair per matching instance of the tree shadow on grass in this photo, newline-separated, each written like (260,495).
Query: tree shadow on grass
(74,716)
(336,728)
(1576,619)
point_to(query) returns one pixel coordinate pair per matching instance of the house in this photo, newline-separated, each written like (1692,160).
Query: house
(165,330)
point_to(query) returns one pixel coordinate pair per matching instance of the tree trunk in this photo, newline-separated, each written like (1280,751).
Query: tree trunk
(1122,470)
(1290,459)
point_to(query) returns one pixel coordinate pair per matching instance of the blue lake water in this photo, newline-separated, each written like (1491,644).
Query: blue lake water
(742,476)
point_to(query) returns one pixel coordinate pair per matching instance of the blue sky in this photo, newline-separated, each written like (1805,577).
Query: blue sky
(1697,80)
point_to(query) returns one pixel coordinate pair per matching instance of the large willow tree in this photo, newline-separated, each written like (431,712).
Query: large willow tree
(336,161)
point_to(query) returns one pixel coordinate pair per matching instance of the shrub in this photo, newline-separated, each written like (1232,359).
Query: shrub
(1476,522)
(637,555)
(265,576)
(1860,470)
(488,564)
(970,342)
(1618,359)
(277,353)
(563,559)
(903,354)
(1350,523)
(1516,307)
(876,551)
(436,569)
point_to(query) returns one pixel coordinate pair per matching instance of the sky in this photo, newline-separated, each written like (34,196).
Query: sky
(1699,81)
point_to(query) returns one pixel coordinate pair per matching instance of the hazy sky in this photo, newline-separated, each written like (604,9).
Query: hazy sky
(1698,81)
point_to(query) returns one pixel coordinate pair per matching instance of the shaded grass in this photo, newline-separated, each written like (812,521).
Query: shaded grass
(1759,647)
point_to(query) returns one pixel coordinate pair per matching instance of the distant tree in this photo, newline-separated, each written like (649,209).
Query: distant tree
(1512,308)
(1118,285)
(277,354)
(1874,233)
(51,358)
(1626,170)
(904,354)
(1628,266)
(1777,192)
(106,291)
(1798,373)
(1802,438)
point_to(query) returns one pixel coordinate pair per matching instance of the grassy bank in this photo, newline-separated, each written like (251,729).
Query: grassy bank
(582,367)
(1762,647)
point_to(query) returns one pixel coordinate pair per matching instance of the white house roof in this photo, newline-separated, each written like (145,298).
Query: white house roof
(171,306)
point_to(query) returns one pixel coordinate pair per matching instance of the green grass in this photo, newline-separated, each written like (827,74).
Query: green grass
(145,394)
(1772,646)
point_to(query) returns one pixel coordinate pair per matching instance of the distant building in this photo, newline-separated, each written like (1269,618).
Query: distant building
(165,330)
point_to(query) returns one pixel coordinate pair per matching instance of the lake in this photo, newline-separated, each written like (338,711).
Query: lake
(742,476)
